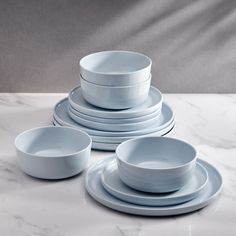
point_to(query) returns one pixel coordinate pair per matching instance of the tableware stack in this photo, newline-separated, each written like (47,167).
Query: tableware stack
(115,101)
(154,176)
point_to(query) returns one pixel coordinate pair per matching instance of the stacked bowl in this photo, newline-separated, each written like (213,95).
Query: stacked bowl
(115,101)
(115,79)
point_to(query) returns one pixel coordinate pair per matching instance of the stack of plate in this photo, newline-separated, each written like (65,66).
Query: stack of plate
(115,101)
(151,176)
(108,128)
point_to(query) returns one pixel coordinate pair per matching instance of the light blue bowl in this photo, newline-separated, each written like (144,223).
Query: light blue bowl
(115,68)
(121,97)
(155,164)
(53,152)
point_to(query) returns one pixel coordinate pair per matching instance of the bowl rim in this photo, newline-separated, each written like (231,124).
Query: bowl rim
(51,127)
(147,81)
(152,168)
(81,61)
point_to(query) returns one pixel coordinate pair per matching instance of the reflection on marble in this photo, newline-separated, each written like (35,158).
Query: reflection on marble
(31,206)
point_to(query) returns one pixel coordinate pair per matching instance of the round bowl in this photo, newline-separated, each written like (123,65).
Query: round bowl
(53,152)
(121,97)
(155,164)
(115,68)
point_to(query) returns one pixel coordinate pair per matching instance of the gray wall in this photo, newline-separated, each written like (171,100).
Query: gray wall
(192,43)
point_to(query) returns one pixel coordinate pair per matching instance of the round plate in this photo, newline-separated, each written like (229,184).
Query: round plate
(111,143)
(95,189)
(115,120)
(62,117)
(113,184)
(110,139)
(152,104)
(113,127)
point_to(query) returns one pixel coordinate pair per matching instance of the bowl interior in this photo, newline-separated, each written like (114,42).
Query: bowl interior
(115,62)
(156,152)
(52,141)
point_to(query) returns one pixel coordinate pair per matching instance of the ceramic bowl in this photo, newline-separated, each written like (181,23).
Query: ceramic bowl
(121,97)
(155,164)
(115,68)
(53,152)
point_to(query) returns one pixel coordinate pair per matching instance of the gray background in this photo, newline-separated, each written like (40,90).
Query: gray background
(192,43)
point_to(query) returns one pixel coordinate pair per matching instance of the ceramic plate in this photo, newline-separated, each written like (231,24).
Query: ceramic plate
(95,189)
(115,120)
(62,117)
(113,184)
(113,127)
(152,104)
(108,146)
(110,143)
(110,139)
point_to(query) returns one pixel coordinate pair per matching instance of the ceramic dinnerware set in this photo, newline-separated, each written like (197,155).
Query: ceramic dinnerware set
(115,108)
(115,101)
(154,176)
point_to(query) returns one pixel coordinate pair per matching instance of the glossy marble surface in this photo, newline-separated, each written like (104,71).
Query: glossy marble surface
(31,206)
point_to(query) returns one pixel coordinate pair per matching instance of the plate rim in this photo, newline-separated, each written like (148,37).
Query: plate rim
(115,114)
(104,120)
(143,210)
(195,192)
(103,133)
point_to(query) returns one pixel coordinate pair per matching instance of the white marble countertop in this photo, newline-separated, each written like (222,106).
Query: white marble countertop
(31,206)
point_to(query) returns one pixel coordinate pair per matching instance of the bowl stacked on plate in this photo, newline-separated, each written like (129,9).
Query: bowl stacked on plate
(115,101)
(153,176)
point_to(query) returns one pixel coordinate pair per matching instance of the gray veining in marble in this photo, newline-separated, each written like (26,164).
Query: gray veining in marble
(31,206)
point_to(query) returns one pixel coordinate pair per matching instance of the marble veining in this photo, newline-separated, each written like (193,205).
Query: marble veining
(30,206)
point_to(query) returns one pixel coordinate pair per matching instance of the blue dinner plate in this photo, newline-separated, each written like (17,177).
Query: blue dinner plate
(115,120)
(113,184)
(62,117)
(111,143)
(114,127)
(152,104)
(96,190)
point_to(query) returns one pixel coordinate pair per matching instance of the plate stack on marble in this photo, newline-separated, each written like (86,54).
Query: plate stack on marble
(115,101)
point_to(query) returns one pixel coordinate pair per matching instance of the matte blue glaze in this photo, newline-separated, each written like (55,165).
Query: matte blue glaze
(114,127)
(155,164)
(61,116)
(95,189)
(113,184)
(115,68)
(53,152)
(111,143)
(115,121)
(121,97)
(152,104)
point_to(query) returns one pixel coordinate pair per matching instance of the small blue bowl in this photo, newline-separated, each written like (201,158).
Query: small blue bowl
(155,164)
(53,152)
(115,68)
